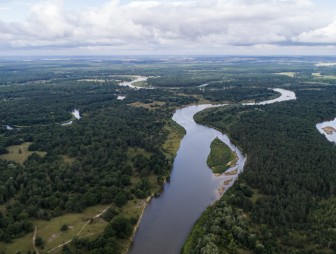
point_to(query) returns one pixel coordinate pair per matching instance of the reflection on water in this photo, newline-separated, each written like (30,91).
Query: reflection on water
(169,218)
(328,132)
(193,187)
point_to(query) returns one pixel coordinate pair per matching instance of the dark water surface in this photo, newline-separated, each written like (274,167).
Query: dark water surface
(168,219)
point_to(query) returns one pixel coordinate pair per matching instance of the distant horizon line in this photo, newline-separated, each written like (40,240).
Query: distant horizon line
(159,55)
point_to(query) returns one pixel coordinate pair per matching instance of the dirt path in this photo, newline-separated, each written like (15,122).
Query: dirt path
(80,231)
(34,238)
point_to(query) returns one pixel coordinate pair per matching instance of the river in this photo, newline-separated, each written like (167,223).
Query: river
(328,128)
(168,219)
(76,114)
(130,83)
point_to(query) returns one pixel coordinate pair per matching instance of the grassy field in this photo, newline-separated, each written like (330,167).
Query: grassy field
(151,106)
(176,133)
(221,157)
(81,225)
(53,236)
(256,195)
(19,153)
(134,151)
(318,75)
(288,74)
(140,84)
(68,160)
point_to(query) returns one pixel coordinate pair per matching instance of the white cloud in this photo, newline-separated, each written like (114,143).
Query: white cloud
(171,26)
(324,35)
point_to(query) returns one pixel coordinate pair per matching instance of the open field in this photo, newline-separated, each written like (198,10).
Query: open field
(53,236)
(151,106)
(288,74)
(19,153)
(176,133)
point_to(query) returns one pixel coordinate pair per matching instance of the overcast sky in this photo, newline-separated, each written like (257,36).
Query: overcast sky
(132,27)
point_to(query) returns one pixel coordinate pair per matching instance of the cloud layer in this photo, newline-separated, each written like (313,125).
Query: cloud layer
(150,27)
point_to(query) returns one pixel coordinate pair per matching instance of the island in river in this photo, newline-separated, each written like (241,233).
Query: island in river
(221,158)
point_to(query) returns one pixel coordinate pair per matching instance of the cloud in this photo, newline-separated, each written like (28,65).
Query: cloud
(323,36)
(169,26)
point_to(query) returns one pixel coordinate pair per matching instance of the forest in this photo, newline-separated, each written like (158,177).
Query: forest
(284,201)
(121,152)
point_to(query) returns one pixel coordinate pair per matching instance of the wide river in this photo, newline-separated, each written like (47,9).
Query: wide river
(192,188)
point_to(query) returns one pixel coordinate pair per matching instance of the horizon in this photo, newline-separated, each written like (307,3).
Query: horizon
(167,27)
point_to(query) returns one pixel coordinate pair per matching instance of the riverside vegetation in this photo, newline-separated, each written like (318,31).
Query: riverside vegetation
(221,157)
(85,184)
(284,201)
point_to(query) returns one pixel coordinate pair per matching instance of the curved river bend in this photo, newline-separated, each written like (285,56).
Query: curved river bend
(192,188)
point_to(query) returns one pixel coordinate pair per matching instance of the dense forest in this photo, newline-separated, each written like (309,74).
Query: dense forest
(113,155)
(116,155)
(284,201)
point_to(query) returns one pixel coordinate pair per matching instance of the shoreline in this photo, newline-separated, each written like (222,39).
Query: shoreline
(146,202)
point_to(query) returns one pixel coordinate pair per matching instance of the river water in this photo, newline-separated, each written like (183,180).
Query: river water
(76,114)
(130,83)
(168,219)
(330,136)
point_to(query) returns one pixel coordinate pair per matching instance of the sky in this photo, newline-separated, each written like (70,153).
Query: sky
(167,27)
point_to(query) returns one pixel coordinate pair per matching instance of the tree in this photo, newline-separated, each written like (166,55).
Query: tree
(39,241)
(122,226)
(64,227)
(120,199)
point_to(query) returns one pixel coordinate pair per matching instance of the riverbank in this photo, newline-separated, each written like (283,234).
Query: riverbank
(170,146)
(167,220)
(130,240)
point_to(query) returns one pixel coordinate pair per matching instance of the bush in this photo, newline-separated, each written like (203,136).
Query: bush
(64,227)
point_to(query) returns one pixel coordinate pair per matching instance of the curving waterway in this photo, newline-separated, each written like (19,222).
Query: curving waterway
(192,188)
(75,114)
(130,83)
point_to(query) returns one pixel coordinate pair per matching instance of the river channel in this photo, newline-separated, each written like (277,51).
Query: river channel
(192,188)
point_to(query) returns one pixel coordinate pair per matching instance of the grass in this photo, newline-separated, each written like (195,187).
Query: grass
(175,135)
(134,151)
(151,106)
(50,231)
(140,84)
(19,153)
(68,160)
(256,195)
(23,244)
(221,158)
(53,236)
(320,76)
(288,74)
(200,99)
(133,208)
